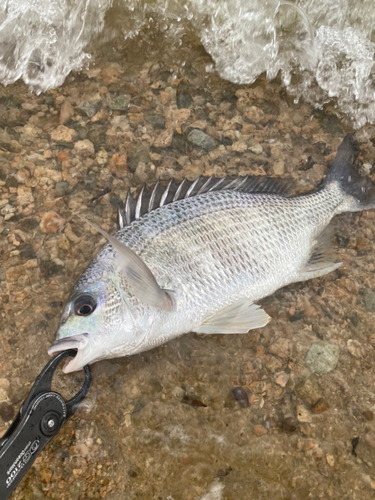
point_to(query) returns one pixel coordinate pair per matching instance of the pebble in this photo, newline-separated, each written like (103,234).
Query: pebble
(84,148)
(369,300)
(201,139)
(62,188)
(330,460)
(63,134)
(370,439)
(120,103)
(164,140)
(66,112)
(356,349)
(51,222)
(322,357)
(259,430)
(7,412)
(90,107)
(257,149)
(303,414)
(240,395)
(369,415)
(282,348)
(320,406)
(282,379)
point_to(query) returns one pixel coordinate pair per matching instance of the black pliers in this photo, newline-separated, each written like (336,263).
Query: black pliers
(39,419)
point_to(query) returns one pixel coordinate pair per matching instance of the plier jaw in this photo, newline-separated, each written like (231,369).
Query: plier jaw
(39,419)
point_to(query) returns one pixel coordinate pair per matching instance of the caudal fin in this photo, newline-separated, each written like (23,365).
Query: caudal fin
(359,189)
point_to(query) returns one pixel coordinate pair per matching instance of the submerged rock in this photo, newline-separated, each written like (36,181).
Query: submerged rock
(322,357)
(201,139)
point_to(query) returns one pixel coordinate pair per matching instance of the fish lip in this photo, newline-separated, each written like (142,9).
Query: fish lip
(77,342)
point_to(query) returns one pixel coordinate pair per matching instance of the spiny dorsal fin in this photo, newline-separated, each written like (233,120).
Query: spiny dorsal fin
(160,196)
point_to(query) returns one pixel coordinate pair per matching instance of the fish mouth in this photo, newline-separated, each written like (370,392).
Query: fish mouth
(76,342)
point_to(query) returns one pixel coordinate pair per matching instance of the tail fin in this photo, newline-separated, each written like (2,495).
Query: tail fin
(360,189)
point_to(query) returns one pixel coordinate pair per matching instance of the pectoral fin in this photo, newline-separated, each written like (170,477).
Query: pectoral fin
(141,281)
(239,317)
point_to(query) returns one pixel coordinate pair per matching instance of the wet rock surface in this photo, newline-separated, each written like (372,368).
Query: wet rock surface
(232,417)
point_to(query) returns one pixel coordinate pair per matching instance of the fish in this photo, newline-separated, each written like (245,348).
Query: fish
(198,256)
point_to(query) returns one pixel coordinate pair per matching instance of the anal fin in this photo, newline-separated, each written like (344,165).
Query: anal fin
(239,317)
(321,257)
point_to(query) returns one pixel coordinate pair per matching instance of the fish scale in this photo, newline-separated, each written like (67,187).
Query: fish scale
(198,256)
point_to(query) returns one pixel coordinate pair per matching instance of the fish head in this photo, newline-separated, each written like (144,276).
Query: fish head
(98,322)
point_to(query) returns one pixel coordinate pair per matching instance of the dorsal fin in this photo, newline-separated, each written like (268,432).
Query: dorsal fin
(160,196)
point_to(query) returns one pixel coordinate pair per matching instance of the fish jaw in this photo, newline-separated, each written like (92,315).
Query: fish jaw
(81,344)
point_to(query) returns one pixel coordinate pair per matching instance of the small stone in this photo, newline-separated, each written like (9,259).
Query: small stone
(201,139)
(84,148)
(279,168)
(240,395)
(184,100)
(51,222)
(7,412)
(282,379)
(369,300)
(118,165)
(239,147)
(62,156)
(111,73)
(259,430)
(303,414)
(370,439)
(256,149)
(164,140)
(63,134)
(90,107)
(322,357)
(120,103)
(369,415)
(355,348)
(66,112)
(282,348)
(310,312)
(309,392)
(330,460)
(320,406)
(178,392)
(157,121)
(62,188)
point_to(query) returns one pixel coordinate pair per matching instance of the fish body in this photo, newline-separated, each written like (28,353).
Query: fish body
(214,255)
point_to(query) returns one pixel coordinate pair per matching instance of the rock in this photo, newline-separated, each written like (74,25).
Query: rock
(111,73)
(309,392)
(183,98)
(201,139)
(278,168)
(310,312)
(282,348)
(322,357)
(84,148)
(90,107)
(369,300)
(51,222)
(120,103)
(118,165)
(66,112)
(320,406)
(240,395)
(157,121)
(303,414)
(356,349)
(62,188)
(368,414)
(259,430)
(63,134)
(256,149)
(282,379)
(7,412)
(164,140)
(175,118)
(370,439)
(330,460)
(62,156)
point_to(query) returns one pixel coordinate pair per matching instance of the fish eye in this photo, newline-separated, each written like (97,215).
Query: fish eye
(84,305)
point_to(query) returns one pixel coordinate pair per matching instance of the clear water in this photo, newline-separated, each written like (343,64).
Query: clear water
(165,424)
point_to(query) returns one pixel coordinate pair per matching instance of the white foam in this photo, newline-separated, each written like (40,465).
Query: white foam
(321,48)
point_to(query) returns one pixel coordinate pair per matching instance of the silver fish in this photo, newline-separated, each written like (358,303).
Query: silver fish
(198,256)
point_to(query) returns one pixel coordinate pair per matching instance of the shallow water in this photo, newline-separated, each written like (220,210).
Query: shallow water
(165,424)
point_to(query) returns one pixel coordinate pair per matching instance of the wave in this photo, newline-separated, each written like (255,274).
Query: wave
(323,50)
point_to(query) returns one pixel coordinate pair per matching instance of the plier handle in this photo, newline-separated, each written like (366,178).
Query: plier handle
(39,419)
